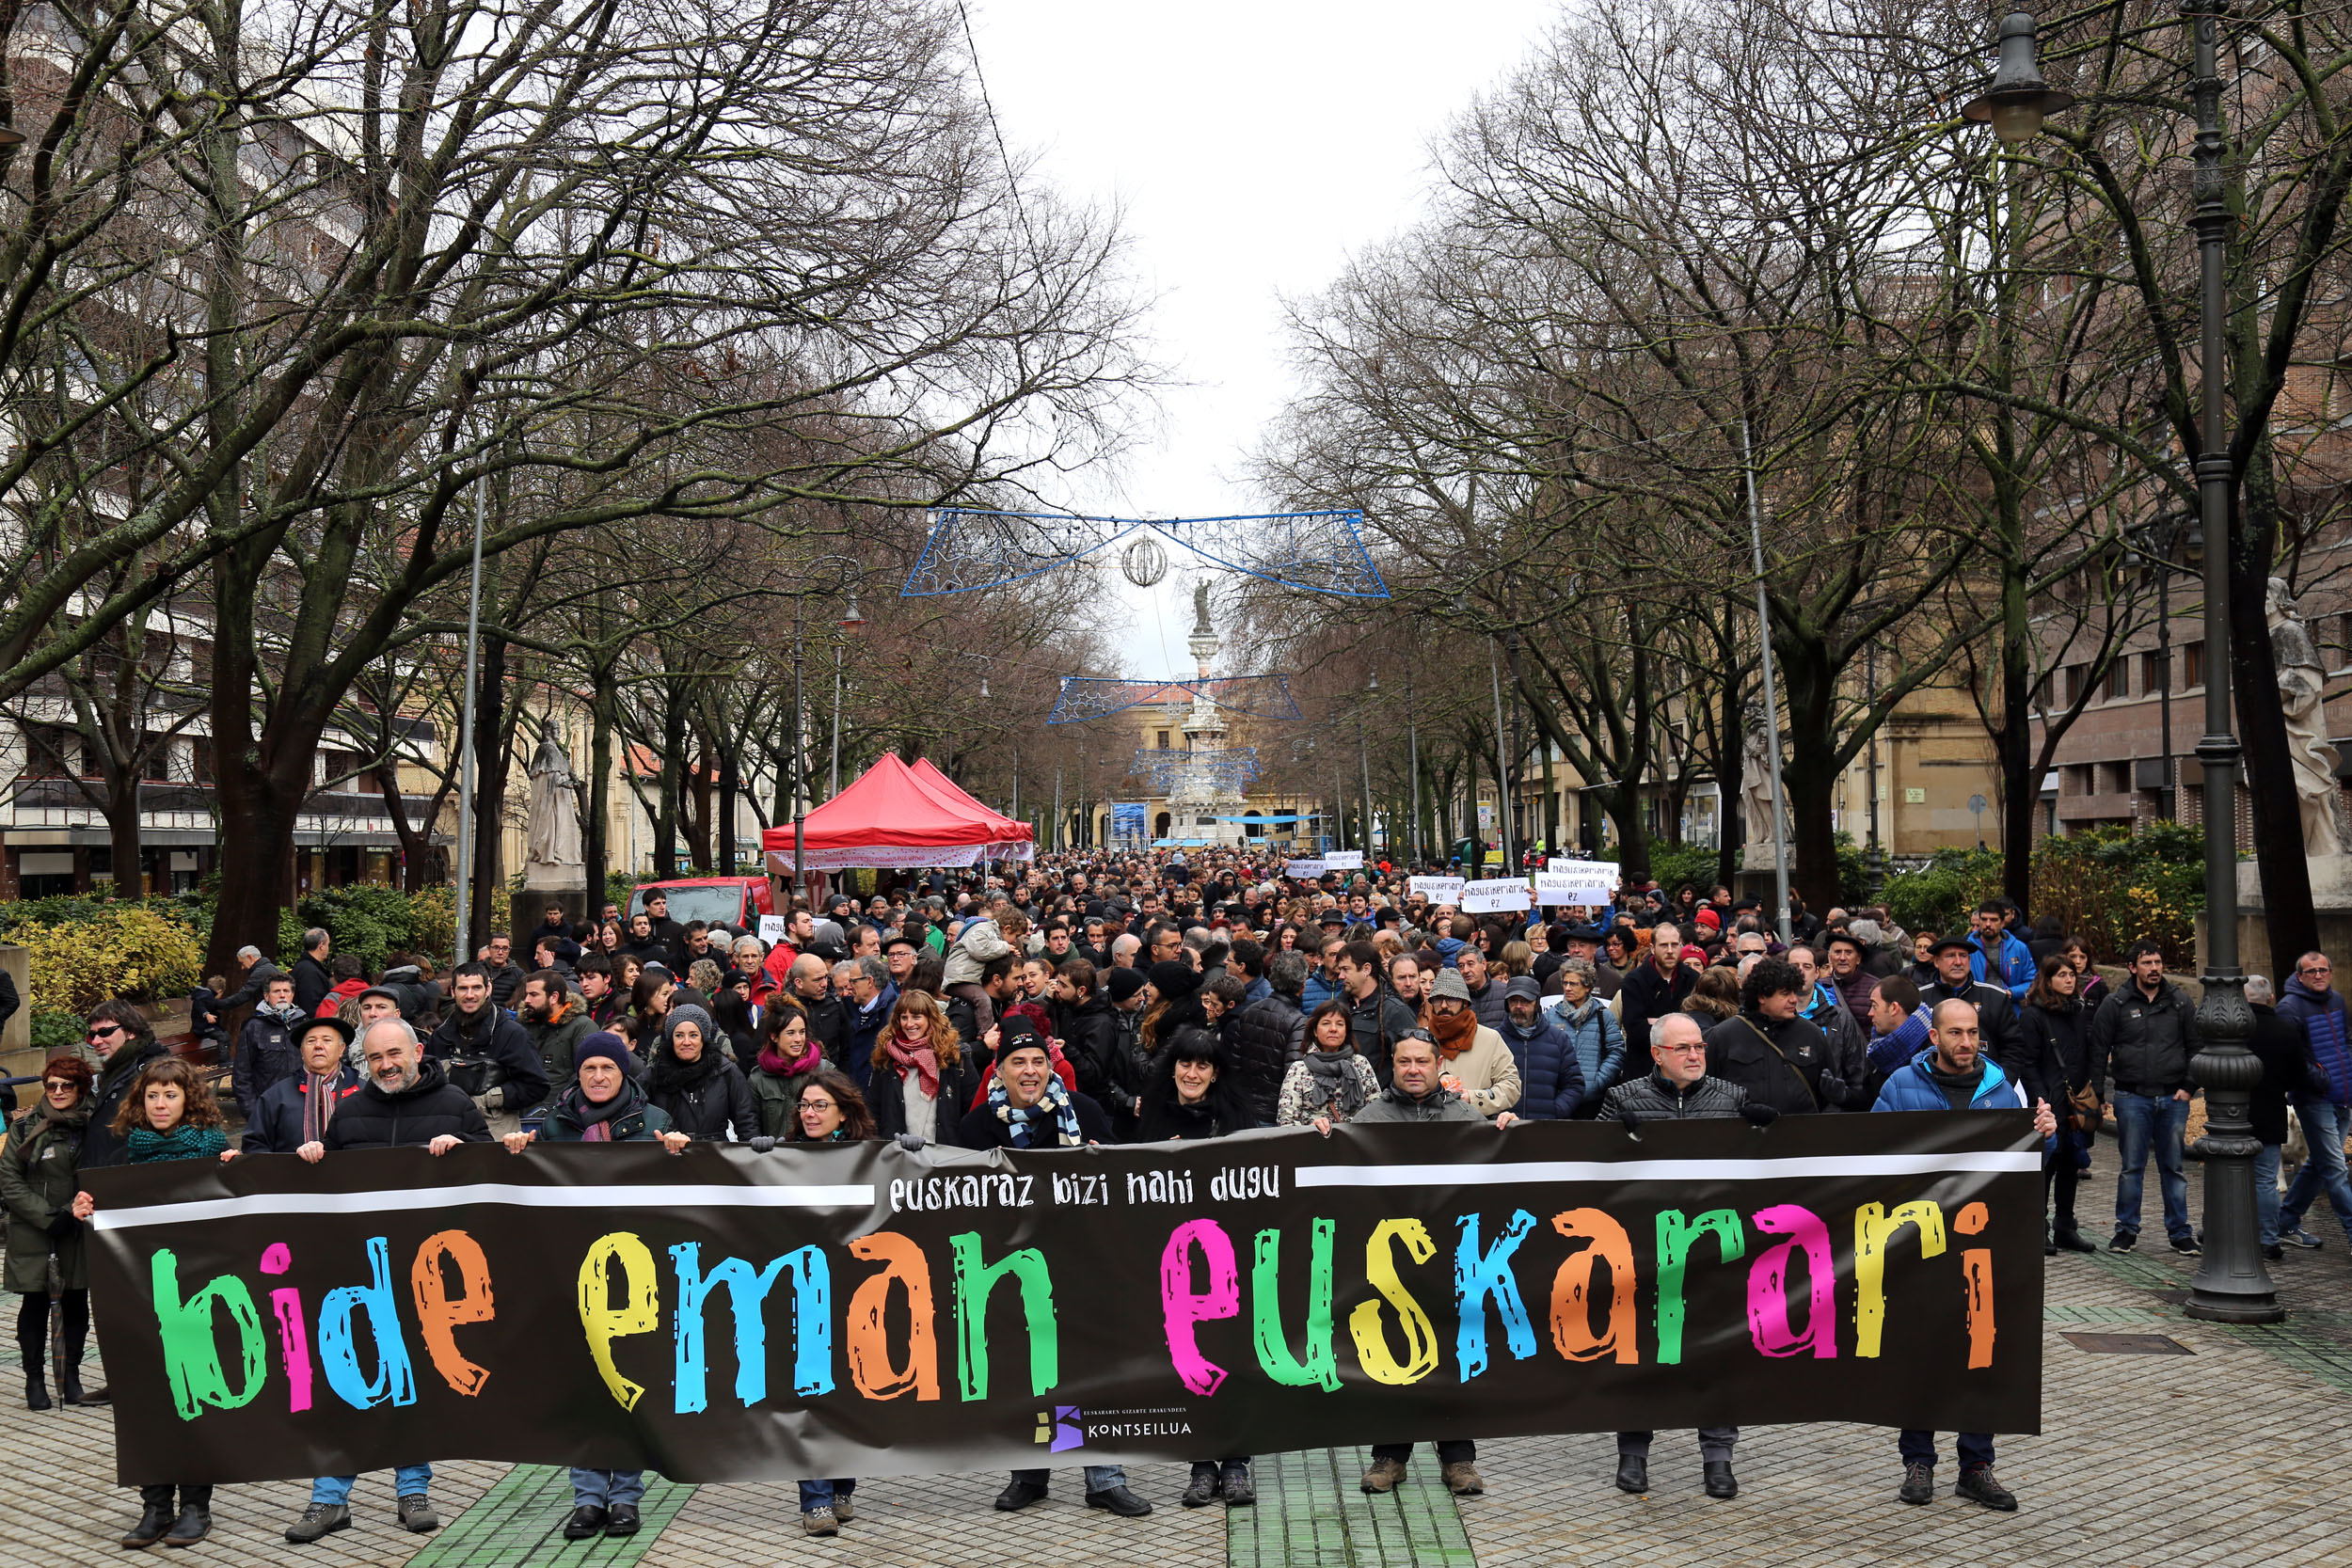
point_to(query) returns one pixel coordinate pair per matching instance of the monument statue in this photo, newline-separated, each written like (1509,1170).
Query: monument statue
(1755,787)
(2302,684)
(551,854)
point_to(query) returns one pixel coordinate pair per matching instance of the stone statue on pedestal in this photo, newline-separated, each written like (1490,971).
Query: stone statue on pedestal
(1756,788)
(2302,684)
(551,856)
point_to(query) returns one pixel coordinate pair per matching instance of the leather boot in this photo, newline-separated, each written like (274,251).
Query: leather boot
(194,1523)
(37,1390)
(155,1518)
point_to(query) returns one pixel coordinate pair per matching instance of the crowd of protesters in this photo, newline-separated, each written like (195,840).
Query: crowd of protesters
(1143,997)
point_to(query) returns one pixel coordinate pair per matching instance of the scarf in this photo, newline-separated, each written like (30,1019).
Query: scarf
(288,1015)
(1054,1104)
(771,1063)
(1890,1051)
(318,1105)
(73,1118)
(183,1142)
(1453,1034)
(925,1063)
(670,1072)
(1332,1077)
(596,1121)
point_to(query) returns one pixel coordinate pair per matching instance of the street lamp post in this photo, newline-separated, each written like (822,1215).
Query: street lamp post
(1363,755)
(1413,761)
(2231,1286)
(851,620)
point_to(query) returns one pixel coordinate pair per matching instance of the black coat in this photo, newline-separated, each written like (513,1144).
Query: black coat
(2140,1045)
(269,1052)
(984,1128)
(1378,1022)
(278,1126)
(829,1026)
(1217,1116)
(2057,1056)
(100,1145)
(1648,995)
(959,1081)
(1089,1039)
(1651,1097)
(496,1037)
(312,982)
(1779,1063)
(1266,1037)
(411,1118)
(710,1106)
(2288,1069)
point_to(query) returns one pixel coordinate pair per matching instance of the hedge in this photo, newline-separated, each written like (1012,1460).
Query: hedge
(2107,886)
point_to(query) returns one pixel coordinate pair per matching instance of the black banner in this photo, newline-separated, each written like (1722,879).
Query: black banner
(725,1315)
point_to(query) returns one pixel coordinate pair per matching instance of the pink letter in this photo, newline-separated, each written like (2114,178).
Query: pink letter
(1184,1308)
(1768,1285)
(294,1339)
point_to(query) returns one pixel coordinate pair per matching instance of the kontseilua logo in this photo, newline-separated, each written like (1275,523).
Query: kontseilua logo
(1064,1429)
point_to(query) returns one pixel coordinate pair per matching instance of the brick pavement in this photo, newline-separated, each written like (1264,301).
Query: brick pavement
(2231,1455)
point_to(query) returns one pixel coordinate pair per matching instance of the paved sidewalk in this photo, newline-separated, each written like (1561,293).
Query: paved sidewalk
(2231,1455)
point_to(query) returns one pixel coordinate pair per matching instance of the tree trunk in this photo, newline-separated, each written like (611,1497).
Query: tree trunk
(728,785)
(1730,780)
(2267,775)
(665,823)
(123,830)
(698,796)
(595,837)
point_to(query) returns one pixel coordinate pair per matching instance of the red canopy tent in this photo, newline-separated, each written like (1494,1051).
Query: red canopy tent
(954,794)
(891,818)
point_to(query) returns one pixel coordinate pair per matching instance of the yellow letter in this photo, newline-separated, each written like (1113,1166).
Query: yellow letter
(1420,1335)
(1874,1231)
(605,1323)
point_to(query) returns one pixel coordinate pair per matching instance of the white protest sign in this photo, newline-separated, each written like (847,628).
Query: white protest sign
(1342,860)
(1304,871)
(1497,895)
(1562,863)
(1587,882)
(770,929)
(1437,890)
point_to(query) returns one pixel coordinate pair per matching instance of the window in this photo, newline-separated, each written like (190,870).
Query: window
(2080,780)
(2118,777)
(2151,672)
(1163,740)
(2073,686)
(2192,664)
(2118,684)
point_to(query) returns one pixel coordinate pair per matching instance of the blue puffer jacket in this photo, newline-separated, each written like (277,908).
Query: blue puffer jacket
(1551,1081)
(1599,1040)
(1913,1089)
(2322,1015)
(2015,963)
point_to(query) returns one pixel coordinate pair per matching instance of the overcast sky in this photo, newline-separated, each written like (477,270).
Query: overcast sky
(1253,146)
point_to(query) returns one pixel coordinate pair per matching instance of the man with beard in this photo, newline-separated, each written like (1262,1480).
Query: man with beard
(555,1020)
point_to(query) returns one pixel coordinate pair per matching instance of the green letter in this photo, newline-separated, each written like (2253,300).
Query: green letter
(975,1280)
(1321,1367)
(1676,1236)
(191,1354)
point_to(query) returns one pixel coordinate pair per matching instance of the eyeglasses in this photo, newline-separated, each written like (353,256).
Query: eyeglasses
(100,1030)
(55,1085)
(808,1105)
(2313,969)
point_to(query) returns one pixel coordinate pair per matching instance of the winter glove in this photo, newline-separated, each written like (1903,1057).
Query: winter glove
(1833,1088)
(911,1143)
(62,1226)
(1760,1114)
(762,1144)
(1632,1124)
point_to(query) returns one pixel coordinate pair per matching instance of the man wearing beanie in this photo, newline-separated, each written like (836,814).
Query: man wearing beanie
(1125,987)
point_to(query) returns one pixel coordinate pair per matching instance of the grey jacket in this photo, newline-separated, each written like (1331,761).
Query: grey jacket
(1395,1104)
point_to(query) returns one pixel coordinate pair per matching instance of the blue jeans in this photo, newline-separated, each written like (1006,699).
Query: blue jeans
(2141,1120)
(410,1480)
(1919,1447)
(2267,1191)
(1100,1478)
(820,1494)
(2323,1129)
(603,1488)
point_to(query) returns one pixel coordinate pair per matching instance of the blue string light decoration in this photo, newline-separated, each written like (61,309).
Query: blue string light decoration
(1229,766)
(969,550)
(1085,697)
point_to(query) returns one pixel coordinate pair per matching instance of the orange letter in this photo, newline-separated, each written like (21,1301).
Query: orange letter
(871,1369)
(1572,1289)
(436,1314)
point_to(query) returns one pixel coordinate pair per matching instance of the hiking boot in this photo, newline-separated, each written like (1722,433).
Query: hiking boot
(1979,1484)
(1919,1483)
(1384,1476)
(417,1515)
(195,1523)
(1632,1473)
(319,1521)
(1118,1500)
(1720,1482)
(818,1521)
(154,1521)
(844,1511)
(2124,1240)
(587,1520)
(1205,1488)
(1240,1490)
(1463,1479)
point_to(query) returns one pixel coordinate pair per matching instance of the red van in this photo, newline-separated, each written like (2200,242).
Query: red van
(735,902)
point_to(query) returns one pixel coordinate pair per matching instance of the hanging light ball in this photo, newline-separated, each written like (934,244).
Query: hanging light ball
(1144,563)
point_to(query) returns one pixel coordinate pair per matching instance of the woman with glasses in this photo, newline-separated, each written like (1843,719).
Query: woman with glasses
(39,1173)
(829,1111)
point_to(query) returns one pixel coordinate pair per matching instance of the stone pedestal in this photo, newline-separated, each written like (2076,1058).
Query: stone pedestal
(18,1035)
(2331,902)
(529,910)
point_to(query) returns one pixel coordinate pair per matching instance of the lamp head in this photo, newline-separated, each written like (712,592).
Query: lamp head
(2017,99)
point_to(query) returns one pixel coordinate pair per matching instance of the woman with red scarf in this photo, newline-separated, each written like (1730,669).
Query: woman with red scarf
(919,1067)
(787,1055)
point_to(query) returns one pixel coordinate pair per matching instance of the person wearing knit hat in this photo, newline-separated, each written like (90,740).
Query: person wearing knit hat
(1709,919)
(1173,979)
(693,1077)
(1122,984)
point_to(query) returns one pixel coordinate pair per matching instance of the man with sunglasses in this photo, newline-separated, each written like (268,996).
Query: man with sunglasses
(124,1042)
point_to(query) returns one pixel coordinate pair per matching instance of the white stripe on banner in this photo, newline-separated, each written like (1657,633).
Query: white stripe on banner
(487,1192)
(1666,1170)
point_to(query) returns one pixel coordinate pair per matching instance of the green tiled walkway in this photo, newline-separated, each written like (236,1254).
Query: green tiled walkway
(1312,1514)
(519,1524)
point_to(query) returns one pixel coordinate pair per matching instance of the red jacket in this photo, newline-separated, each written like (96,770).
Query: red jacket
(332,1002)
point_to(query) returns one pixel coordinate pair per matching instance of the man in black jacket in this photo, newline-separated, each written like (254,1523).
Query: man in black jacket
(1266,1035)
(1654,988)
(1376,1020)
(1997,1023)
(405,1103)
(477,1030)
(312,979)
(1487,997)
(125,1042)
(829,1019)
(1089,1042)
(298,1110)
(1678,1088)
(2141,1040)
(1781,1059)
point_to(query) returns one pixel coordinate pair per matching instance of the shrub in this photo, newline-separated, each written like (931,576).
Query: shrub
(1937,896)
(2105,886)
(53,1032)
(119,950)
